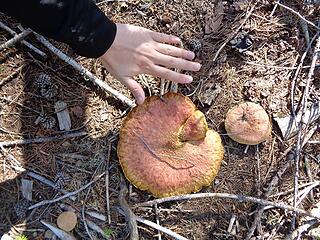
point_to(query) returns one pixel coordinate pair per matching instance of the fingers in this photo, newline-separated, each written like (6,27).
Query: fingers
(179,63)
(165,38)
(175,51)
(170,75)
(135,89)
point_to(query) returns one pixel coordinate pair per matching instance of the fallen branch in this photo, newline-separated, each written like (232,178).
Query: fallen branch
(239,198)
(45,202)
(24,42)
(15,39)
(85,72)
(298,14)
(42,139)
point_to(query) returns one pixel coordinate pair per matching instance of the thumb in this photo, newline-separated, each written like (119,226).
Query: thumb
(135,89)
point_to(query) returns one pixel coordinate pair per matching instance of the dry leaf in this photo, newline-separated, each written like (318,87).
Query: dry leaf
(214,23)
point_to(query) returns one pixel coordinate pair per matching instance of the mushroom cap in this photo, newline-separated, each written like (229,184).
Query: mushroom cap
(248,123)
(166,148)
(67,221)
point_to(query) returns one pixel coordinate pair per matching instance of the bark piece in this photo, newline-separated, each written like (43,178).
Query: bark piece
(63,116)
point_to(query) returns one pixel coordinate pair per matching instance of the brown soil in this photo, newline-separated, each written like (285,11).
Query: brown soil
(222,83)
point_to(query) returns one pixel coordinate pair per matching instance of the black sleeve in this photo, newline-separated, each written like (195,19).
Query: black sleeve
(79,23)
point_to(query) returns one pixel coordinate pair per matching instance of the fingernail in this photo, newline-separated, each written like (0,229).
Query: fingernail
(197,67)
(139,100)
(177,40)
(188,79)
(191,55)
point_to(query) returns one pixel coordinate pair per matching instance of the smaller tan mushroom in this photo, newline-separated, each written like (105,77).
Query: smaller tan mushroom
(248,123)
(67,221)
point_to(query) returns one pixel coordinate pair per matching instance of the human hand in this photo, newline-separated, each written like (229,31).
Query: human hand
(137,50)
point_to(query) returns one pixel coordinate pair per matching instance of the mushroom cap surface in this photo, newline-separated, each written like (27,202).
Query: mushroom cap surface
(248,123)
(166,148)
(67,221)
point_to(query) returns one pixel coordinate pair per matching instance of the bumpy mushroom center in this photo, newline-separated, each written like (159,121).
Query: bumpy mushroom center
(194,129)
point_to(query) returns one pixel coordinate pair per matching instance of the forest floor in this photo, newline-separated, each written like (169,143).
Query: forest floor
(250,51)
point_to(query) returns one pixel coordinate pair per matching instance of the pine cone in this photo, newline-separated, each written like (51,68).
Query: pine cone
(60,180)
(195,45)
(48,89)
(21,208)
(46,121)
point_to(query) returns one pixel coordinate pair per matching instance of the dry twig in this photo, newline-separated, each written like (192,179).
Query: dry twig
(239,198)
(85,72)
(160,228)
(15,39)
(298,14)
(42,139)
(107,183)
(45,202)
(8,78)
(27,44)
(300,139)
(47,182)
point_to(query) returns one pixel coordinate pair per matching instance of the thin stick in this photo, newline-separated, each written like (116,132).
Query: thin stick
(298,14)
(84,203)
(8,78)
(85,72)
(274,9)
(47,182)
(274,182)
(278,67)
(156,212)
(234,33)
(292,189)
(129,215)
(45,202)
(27,44)
(239,198)
(15,39)
(299,67)
(160,228)
(42,139)
(299,145)
(107,183)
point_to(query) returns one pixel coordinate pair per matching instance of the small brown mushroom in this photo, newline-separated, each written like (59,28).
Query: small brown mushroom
(67,221)
(166,148)
(248,123)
